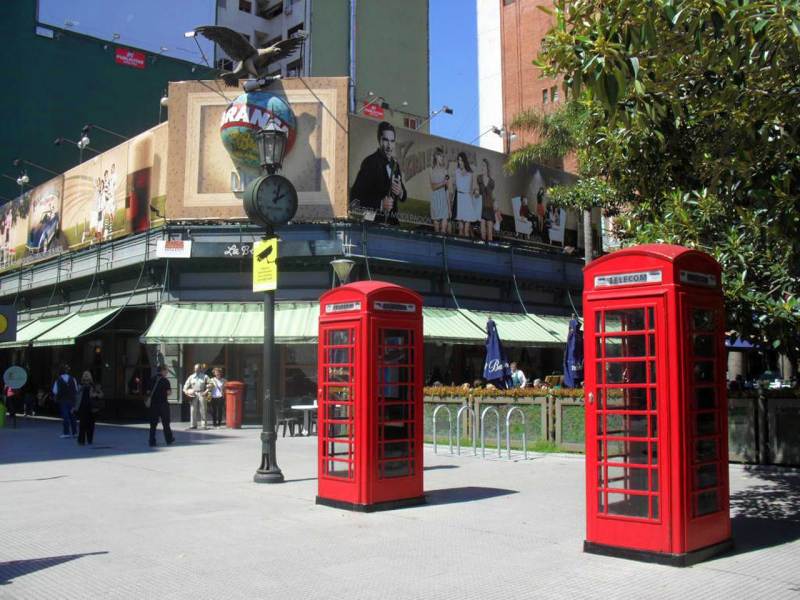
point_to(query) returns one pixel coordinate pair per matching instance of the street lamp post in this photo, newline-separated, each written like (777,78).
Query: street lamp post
(270,200)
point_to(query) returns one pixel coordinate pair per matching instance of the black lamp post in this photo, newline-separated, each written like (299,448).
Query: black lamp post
(271,149)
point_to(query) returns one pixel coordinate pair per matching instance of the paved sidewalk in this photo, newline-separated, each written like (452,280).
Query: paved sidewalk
(123,521)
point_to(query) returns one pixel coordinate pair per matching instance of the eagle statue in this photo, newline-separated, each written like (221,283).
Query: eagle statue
(249,60)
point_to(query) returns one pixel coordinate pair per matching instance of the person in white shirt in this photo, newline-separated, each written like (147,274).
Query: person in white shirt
(197,387)
(518,379)
(217,397)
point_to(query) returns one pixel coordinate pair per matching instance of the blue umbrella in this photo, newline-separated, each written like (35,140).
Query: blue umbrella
(573,356)
(496,369)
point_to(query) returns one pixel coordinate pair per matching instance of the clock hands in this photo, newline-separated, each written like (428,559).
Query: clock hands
(277,196)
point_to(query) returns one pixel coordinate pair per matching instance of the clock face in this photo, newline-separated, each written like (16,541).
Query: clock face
(271,200)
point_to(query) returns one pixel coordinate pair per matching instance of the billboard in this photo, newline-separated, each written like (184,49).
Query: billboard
(14,231)
(44,217)
(407,178)
(94,199)
(205,182)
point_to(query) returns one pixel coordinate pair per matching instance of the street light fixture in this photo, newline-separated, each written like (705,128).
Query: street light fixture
(445,109)
(88,127)
(271,149)
(342,268)
(80,144)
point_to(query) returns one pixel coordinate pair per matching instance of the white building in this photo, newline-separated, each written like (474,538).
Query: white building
(263,23)
(490,80)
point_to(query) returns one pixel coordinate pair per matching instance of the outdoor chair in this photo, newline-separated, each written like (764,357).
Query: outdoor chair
(287,422)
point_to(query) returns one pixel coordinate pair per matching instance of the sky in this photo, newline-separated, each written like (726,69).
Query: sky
(454,68)
(453,44)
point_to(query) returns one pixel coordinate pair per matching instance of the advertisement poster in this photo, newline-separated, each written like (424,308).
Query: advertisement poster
(213,151)
(407,178)
(95,200)
(44,217)
(14,231)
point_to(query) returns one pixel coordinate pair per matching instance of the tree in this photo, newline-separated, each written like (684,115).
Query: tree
(693,124)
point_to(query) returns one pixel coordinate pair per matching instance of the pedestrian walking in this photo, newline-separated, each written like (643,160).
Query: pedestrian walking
(86,409)
(158,404)
(65,391)
(217,397)
(11,398)
(197,387)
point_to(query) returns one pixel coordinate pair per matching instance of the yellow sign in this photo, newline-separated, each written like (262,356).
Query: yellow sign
(265,265)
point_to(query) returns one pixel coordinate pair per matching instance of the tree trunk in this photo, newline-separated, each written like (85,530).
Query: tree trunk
(587,236)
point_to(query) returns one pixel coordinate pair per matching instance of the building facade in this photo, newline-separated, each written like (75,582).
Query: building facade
(509,39)
(143,255)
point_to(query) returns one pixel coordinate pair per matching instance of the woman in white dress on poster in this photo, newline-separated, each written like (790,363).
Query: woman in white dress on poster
(440,183)
(466,191)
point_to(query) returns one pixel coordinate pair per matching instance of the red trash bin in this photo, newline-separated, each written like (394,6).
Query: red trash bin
(234,403)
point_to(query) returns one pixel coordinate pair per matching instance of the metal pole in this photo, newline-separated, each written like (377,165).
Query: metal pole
(269,472)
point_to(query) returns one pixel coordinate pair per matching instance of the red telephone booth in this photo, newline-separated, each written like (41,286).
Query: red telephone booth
(370,425)
(656,406)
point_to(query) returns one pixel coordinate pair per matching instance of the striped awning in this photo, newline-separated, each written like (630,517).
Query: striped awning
(232,323)
(77,324)
(296,323)
(30,330)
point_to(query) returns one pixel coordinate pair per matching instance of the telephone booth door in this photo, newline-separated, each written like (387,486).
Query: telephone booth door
(398,419)
(627,465)
(707,506)
(336,409)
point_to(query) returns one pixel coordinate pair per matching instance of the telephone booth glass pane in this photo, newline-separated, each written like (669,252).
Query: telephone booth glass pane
(704,412)
(337,418)
(627,420)
(395,378)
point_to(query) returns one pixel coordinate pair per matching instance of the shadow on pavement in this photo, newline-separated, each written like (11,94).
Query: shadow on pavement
(17,568)
(465,494)
(768,513)
(437,467)
(38,440)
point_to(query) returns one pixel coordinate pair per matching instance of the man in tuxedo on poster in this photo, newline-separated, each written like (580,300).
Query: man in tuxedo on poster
(379,186)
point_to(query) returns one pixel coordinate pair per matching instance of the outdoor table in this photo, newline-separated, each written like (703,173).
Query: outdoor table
(307,409)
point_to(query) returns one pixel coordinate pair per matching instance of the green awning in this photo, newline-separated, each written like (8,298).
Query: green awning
(74,326)
(32,329)
(451,326)
(229,322)
(517,329)
(296,323)
(555,325)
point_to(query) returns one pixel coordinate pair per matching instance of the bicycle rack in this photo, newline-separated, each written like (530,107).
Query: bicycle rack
(483,432)
(508,432)
(449,426)
(474,430)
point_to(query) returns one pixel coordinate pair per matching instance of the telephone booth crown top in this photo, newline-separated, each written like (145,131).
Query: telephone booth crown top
(659,264)
(368,297)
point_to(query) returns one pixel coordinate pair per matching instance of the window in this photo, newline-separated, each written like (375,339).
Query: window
(271,42)
(290,33)
(544,96)
(222,3)
(554,93)
(410,122)
(507,2)
(245,6)
(225,64)
(271,11)
(294,68)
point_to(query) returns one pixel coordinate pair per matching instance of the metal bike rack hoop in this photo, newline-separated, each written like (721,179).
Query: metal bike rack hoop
(449,426)
(509,414)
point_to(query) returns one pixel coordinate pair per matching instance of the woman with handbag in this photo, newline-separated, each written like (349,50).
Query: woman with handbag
(86,408)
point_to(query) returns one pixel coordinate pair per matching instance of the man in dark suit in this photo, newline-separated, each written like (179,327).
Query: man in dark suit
(159,406)
(379,184)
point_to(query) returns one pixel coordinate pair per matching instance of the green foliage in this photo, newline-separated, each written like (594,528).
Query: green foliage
(692,124)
